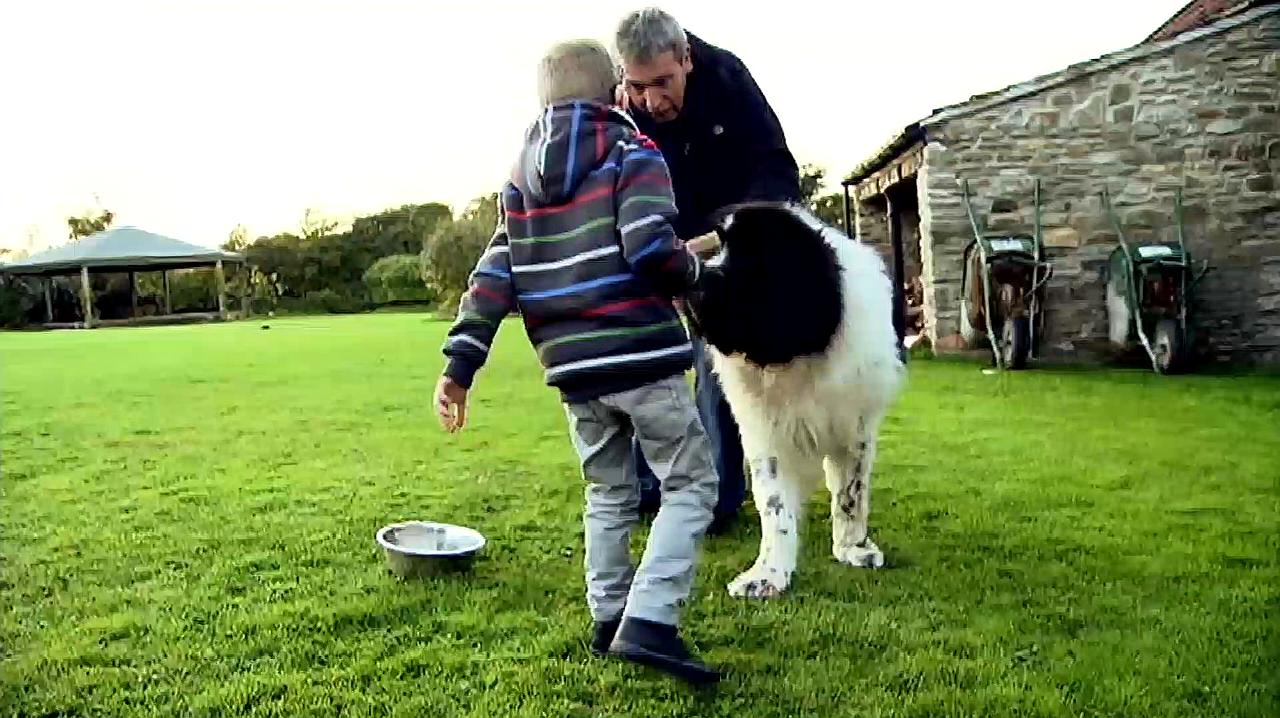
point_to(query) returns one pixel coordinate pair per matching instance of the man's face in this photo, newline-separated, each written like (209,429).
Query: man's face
(657,86)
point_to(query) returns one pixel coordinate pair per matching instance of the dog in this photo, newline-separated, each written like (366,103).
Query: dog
(798,320)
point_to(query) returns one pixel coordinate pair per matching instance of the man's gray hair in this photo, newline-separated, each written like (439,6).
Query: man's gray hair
(646,34)
(577,70)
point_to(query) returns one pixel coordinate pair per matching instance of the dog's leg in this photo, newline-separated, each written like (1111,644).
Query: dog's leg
(777,500)
(849,480)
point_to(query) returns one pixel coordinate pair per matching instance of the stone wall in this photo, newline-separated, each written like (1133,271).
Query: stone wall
(944,231)
(1203,117)
(871,225)
(910,238)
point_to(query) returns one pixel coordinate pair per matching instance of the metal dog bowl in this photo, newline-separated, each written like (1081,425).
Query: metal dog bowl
(426,548)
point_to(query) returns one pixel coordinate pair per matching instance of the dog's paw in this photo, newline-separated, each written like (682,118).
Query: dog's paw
(864,555)
(759,582)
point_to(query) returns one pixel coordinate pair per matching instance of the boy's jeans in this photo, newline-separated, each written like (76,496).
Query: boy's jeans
(726,444)
(662,417)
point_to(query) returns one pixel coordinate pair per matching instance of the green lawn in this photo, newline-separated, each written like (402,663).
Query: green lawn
(188,513)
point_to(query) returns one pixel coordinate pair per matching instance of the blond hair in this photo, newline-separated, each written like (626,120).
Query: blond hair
(577,70)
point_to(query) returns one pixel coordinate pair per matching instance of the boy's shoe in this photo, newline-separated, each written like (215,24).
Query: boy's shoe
(658,645)
(602,636)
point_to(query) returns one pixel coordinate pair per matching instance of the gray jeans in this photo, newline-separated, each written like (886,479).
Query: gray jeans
(663,418)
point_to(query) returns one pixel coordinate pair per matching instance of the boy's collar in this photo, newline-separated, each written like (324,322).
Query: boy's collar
(622,115)
(608,109)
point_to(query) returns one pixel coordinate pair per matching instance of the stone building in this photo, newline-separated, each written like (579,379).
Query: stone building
(1195,106)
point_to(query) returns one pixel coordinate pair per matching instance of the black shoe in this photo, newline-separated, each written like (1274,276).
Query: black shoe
(603,635)
(658,645)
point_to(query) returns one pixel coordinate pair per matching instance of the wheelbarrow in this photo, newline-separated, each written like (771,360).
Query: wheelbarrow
(1002,289)
(1149,289)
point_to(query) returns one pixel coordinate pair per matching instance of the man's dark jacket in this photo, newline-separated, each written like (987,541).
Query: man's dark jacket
(726,145)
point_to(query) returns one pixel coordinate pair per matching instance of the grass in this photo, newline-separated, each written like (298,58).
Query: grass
(188,518)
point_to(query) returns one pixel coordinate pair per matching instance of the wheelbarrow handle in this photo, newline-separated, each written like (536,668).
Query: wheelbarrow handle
(1204,269)
(1048,274)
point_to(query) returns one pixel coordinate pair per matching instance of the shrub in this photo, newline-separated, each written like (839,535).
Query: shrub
(453,250)
(324,301)
(193,290)
(397,279)
(20,299)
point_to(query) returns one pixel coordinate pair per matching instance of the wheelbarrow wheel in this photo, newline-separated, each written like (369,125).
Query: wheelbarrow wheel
(1016,341)
(1169,346)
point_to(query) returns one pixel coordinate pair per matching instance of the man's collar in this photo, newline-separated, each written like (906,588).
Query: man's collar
(696,44)
(693,98)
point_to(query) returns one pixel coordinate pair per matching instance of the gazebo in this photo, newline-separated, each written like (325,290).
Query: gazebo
(124,250)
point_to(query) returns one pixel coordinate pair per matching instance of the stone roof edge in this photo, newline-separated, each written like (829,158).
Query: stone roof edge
(883,154)
(1239,7)
(1170,20)
(1094,66)
(896,144)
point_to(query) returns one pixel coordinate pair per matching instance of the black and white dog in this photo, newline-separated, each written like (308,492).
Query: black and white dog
(798,318)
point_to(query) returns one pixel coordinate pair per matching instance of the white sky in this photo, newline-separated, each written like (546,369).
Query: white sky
(191,116)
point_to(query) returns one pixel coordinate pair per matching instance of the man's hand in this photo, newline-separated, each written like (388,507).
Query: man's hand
(451,405)
(704,244)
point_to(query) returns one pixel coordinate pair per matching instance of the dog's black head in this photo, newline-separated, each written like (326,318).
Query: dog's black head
(774,292)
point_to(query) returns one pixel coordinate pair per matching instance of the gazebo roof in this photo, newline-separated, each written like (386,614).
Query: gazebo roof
(121,248)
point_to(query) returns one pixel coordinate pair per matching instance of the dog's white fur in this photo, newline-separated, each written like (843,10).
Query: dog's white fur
(818,418)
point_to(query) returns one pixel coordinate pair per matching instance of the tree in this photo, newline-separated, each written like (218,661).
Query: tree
(811,177)
(88,224)
(314,225)
(483,210)
(238,240)
(319,261)
(451,253)
(403,230)
(830,209)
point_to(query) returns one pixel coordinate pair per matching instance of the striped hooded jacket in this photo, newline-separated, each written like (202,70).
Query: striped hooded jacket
(586,252)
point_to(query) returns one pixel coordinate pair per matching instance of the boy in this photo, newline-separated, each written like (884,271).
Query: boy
(587,253)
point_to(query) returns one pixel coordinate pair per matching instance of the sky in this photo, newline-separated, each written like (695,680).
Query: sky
(190,117)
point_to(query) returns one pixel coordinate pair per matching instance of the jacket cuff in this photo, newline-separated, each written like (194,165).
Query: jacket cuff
(463,373)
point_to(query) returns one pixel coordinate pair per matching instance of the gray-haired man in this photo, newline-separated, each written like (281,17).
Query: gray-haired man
(724,145)
(587,253)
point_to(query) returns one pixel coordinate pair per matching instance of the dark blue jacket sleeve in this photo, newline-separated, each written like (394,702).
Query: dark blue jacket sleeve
(490,297)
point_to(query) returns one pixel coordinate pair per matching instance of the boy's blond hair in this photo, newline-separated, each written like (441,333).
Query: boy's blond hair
(577,70)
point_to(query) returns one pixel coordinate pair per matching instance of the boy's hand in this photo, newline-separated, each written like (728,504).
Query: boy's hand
(451,404)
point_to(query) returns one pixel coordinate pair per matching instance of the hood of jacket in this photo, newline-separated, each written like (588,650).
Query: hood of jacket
(566,143)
